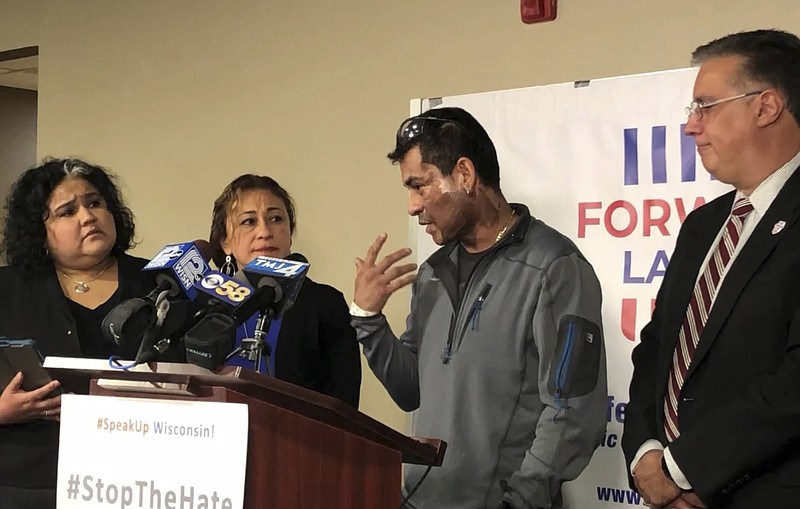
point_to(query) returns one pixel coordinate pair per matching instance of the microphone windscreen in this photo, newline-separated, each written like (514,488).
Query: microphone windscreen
(127,322)
(208,343)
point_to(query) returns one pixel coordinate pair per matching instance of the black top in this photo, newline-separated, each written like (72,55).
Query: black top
(317,346)
(87,321)
(466,265)
(34,307)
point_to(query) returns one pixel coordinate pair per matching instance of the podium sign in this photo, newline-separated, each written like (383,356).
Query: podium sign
(164,454)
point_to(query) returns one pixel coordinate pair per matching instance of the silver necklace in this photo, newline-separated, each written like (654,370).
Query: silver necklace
(83,286)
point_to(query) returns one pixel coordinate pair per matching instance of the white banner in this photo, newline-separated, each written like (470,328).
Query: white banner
(607,164)
(132,453)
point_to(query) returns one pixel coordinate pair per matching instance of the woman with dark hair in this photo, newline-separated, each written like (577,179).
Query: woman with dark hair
(313,344)
(66,234)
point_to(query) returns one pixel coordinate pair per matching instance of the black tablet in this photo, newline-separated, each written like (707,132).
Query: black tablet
(22,355)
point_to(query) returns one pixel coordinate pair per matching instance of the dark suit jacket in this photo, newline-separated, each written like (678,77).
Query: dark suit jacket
(34,307)
(739,409)
(317,346)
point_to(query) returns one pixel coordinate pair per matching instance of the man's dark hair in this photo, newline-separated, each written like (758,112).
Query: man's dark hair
(454,134)
(25,235)
(770,56)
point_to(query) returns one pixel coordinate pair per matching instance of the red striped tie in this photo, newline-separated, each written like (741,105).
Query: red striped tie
(697,313)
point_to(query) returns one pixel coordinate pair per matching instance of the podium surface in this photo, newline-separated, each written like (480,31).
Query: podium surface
(305,449)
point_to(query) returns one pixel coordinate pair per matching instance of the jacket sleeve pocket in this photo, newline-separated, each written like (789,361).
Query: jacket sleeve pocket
(576,364)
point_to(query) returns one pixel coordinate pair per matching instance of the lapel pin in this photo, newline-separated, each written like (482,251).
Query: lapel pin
(777,227)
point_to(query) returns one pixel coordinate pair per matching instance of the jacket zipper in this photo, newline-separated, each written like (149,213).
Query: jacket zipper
(563,364)
(447,350)
(471,322)
(474,313)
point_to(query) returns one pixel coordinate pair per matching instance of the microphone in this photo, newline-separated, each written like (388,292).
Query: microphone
(285,276)
(150,349)
(142,319)
(177,267)
(276,283)
(220,290)
(268,293)
(127,320)
(279,282)
(210,339)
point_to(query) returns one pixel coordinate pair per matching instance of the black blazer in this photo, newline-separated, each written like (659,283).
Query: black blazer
(317,346)
(35,307)
(740,405)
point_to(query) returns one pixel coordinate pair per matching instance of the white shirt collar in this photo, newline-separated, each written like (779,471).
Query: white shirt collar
(763,195)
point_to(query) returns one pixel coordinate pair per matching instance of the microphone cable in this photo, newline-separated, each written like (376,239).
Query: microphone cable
(415,488)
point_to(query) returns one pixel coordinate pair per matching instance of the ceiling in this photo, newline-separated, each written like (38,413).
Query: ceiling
(20,73)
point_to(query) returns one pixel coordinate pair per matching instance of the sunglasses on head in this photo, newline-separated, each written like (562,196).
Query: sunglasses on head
(416,126)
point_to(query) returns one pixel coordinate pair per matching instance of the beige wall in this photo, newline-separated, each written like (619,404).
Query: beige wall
(180,96)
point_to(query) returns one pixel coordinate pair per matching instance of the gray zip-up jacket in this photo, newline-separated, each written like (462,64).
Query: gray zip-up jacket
(512,377)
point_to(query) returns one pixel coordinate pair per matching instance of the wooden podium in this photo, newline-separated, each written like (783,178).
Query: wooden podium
(305,450)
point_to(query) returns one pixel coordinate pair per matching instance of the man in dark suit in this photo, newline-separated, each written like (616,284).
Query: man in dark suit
(714,412)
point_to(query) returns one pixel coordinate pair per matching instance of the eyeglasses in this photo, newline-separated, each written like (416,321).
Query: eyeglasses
(696,107)
(416,126)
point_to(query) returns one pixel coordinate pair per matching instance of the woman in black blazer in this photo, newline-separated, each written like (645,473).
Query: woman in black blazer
(66,233)
(313,343)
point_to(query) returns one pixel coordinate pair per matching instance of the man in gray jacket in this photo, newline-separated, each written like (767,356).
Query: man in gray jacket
(503,354)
